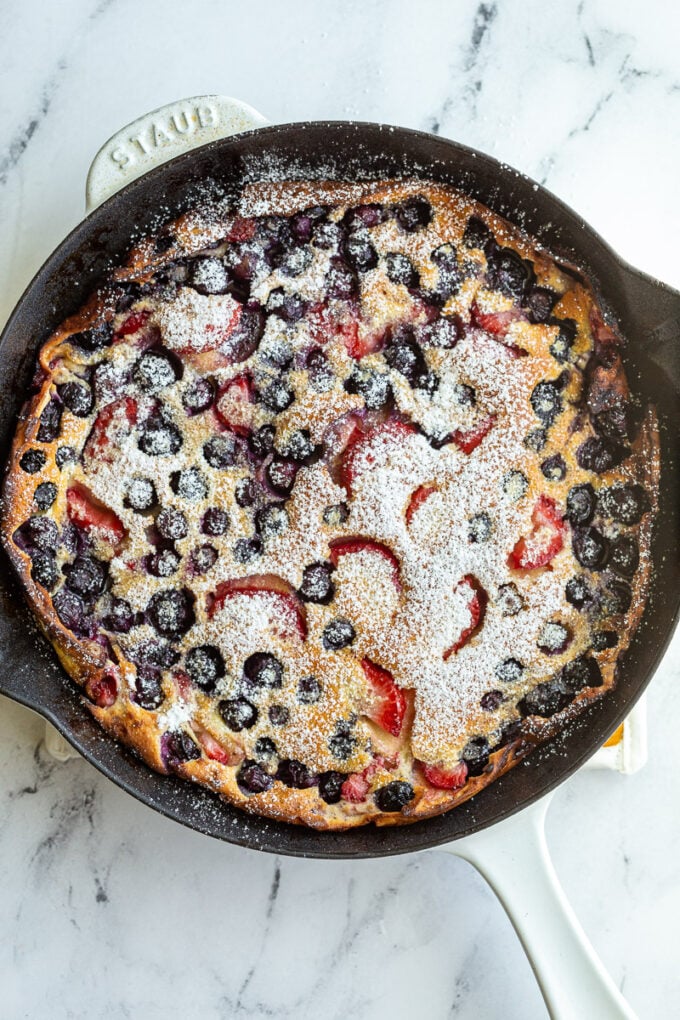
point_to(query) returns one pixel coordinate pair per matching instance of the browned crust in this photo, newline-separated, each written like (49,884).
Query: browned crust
(86,662)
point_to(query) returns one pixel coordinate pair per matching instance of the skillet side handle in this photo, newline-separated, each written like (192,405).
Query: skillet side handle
(513,857)
(161,135)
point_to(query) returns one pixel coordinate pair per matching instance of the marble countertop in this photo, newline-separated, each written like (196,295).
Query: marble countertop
(109,910)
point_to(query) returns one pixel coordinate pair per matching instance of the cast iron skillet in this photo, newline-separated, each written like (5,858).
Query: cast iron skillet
(649,315)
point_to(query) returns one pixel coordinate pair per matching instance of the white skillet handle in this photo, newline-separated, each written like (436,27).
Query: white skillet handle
(162,134)
(513,858)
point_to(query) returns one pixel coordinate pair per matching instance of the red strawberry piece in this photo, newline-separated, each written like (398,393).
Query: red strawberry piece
(355,788)
(357,346)
(345,546)
(446,779)
(231,755)
(103,691)
(241,229)
(496,323)
(545,540)
(112,425)
(88,513)
(183,683)
(417,499)
(233,406)
(477,607)
(132,324)
(357,456)
(292,611)
(386,705)
(218,335)
(470,440)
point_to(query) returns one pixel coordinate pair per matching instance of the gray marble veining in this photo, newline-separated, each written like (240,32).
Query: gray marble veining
(109,910)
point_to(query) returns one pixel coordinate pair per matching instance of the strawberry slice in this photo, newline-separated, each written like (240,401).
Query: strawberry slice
(112,426)
(417,499)
(477,607)
(102,691)
(324,326)
(241,229)
(88,513)
(496,323)
(218,335)
(446,779)
(292,611)
(234,404)
(132,324)
(357,457)
(470,440)
(387,703)
(355,788)
(345,546)
(545,540)
(231,755)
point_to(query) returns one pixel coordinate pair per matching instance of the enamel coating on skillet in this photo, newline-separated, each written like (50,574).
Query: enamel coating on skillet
(649,316)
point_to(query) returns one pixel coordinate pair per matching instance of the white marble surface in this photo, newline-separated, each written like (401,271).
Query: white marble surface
(108,910)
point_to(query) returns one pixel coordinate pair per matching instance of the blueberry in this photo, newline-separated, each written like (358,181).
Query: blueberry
(546,401)
(215,521)
(616,597)
(298,446)
(624,503)
(70,609)
(252,778)
(78,398)
(476,755)
(554,468)
(509,600)
(577,592)
(581,504)
(359,253)
(330,786)
(189,484)
(309,690)
(44,570)
(205,666)
(278,715)
(94,339)
(616,423)
(265,750)
(244,492)
(120,617)
(263,670)
(394,796)
(164,242)
(160,438)
(580,673)
(368,215)
(148,689)
(404,355)
(33,461)
(289,307)
(604,639)
(281,475)
(172,524)
(509,273)
(509,671)
(154,371)
(540,302)
(336,515)
(86,576)
(546,699)
(564,341)
(302,223)
(247,549)
(198,395)
(277,352)
(180,748)
(449,278)
(536,440)
(444,332)
(37,534)
(204,558)
(208,276)
(490,701)
(163,563)
(316,583)
(599,454)
(400,270)
(277,396)
(413,213)
(221,451)
(624,556)
(45,495)
(337,634)
(478,235)
(171,612)
(295,774)
(479,528)
(271,520)
(515,485)
(327,235)
(373,386)
(341,744)
(295,261)
(238,714)
(554,638)
(261,441)
(141,495)
(342,281)
(64,455)
(590,547)
(320,371)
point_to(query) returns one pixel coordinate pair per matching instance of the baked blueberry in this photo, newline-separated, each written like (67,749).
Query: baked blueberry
(252,778)
(172,524)
(536,440)
(623,503)
(590,547)
(539,302)
(120,617)
(317,585)
(86,576)
(238,714)
(261,441)
(336,515)
(190,484)
(490,701)
(546,401)
(577,592)
(198,395)
(509,600)
(160,437)
(616,597)
(554,638)
(561,346)
(215,521)
(309,690)
(546,699)
(581,504)
(394,796)
(163,562)
(476,755)
(70,609)
(413,213)
(515,485)
(400,270)
(479,528)
(77,397)
(330,786)
(37,534)
(478,235)
(205,666)
(298,446)
(359,253)
(247,549)
(171,612)
(94,339)
(281,475)
(337,634)
(203,558)
(289,307)
(277,396)
(624,556)
(141,495)
(342,743)
(33,461)
(600,454)
(45,495)
(148,689)
(296,774)
(271,519)
(154,371)
(554,468)
(278,715)
(263,669)
(509,671)
(603,639)
(44,570)
(244,492)
(64,455)
(373,386)
(179,748)
(509,273)
(221,451)
(580,673)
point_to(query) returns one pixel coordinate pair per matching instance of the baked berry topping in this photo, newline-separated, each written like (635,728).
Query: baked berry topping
(203,558)
(400,270)
(577,592)
(317,585)
(405,356)
(33,461)
(289,307)
(148,689)
(86,576)
(205,666)
(247,549)
(298,446)
(540,302)
(509,671)
(536,440)
(277,396)
(624,556)
(342,743)
(508,272)
(547,401)
(515,485)
(261,442)
(599,454)
(172,524)
(554,638)
(616,598)
(478,235)
(179,748)
(199,395)
(561,346)
(490,701)
(252,778)
(163,563)
(37,534)
(160,437)
(546,699)
(91,340)
(271,520)
(603,639)
(64,455)
(238,714)
(476,755)
(45,495)
(625,504)
(215,521)
(479,528)
(221,451)
(278,715)
(590,547)
(413,213)
(337,634)
(70,609)
(509,600)
(296,775)
(309,690)
(545,541)
(263,670)
(190,484)
(44,570)
(394,796)
(281,475)
(141,495)
(330,786)
(120,616)
(265,750)
(554,468)
(244,492)
(154,371)
(444,333)
(171,612)
(373,386)
(77,397)
(581,504)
